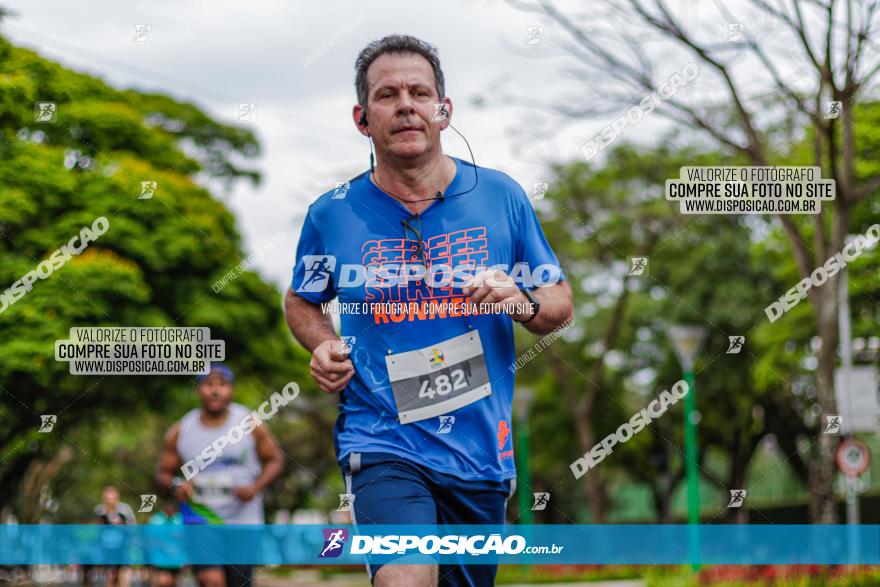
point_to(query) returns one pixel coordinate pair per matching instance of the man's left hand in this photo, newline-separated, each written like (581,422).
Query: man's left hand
(499,289)
(245,492)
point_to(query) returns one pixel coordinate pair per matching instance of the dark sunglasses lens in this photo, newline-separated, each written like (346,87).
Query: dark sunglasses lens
(411,233)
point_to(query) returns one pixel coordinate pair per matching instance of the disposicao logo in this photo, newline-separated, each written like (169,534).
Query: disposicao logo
(334,541)
(318,269)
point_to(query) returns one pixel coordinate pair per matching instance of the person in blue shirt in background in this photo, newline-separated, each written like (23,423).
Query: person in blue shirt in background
(418,242)
(167,556)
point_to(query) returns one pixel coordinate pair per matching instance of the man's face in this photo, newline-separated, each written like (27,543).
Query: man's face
(215,392)
(401,93)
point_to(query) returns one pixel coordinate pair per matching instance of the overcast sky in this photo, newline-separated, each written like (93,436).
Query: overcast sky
(220,53)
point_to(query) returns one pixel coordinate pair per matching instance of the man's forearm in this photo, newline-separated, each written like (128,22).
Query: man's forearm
(163,479)
(271,470)
(309,325)
(556,308)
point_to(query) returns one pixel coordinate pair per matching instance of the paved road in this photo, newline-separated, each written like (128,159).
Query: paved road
(595,584)
(313,579)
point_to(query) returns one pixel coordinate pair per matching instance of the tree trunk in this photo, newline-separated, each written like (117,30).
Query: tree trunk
(662,494)
(38,477)
(12,476)
(595,491)
(583,428)
(739,464)
(822,465)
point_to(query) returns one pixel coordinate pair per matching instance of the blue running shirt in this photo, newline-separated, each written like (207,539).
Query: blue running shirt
(358,225)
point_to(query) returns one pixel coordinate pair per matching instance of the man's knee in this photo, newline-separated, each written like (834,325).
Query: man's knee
(211,578)
(392,575)
(163,579)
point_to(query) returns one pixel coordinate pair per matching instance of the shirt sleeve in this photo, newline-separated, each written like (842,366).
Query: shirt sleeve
(127,513)
(313,274)
(532,248)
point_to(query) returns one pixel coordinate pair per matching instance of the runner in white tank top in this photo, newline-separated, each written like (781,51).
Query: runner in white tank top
(238,466)
(225,488)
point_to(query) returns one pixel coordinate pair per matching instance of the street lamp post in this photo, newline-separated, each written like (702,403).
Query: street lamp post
(687,341)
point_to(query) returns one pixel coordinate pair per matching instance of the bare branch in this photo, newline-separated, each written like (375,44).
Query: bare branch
(798,101)
(863,39)
(801,253)
(802,35)
(693,118)
(671,26)
(828,65)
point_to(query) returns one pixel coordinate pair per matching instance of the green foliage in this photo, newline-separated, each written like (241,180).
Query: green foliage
(153,267)
(699,271)
(719,271)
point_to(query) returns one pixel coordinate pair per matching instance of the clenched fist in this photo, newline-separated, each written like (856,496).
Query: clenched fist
(500,290)
(330,366)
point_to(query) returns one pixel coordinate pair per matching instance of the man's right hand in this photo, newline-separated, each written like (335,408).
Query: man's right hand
(331,368)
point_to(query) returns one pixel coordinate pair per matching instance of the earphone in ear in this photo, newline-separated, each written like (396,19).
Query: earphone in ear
(363,122)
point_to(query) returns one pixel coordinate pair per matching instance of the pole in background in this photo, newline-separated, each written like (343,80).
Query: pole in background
(847,448)
(687,341)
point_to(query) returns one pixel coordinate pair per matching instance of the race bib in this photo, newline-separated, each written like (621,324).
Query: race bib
(210,484)
(439,378)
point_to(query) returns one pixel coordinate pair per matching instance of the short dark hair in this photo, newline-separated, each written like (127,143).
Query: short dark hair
(395,44)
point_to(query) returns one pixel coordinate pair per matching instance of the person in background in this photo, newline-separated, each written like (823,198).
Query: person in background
(167,558)
(113,512)
(229,490)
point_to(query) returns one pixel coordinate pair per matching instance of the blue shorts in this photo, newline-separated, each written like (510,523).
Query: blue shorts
(389,489)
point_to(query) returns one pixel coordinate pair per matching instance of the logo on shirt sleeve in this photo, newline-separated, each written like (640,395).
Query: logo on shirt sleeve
(341,190)
(503,441)
(318,269)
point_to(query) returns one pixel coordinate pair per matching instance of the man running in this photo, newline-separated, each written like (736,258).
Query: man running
(425,393)
(229,490)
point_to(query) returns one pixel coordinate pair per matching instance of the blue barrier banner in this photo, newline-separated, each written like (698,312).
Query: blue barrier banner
(169,545)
